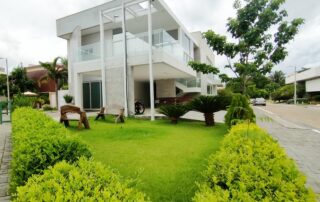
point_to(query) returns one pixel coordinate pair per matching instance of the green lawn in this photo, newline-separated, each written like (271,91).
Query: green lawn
(166,159)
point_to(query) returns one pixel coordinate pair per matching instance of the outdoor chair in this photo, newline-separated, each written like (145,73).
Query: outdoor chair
(101,114)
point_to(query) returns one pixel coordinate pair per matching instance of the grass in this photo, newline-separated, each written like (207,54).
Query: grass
(166,159)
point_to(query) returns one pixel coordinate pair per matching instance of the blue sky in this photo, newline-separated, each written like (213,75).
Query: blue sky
(27,28)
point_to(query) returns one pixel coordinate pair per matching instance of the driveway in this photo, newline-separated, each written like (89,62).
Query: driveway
(296,129)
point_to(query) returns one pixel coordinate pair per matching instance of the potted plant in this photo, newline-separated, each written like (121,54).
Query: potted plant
(68,98)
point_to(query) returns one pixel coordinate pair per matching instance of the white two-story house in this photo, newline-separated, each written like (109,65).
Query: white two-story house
(113,63)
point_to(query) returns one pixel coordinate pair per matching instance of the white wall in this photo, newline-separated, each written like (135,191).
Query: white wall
(61,100)
(52,99)
(313,85)
(306,75)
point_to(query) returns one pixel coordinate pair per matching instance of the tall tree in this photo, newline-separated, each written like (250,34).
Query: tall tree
(255,48)
(57,72)
(278,77)
(19,82)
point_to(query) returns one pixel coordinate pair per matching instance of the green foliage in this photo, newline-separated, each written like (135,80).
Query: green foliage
(19,82)
(39,142)
(3,84)
(287,92)
(23,101)
(174,112)
(299,101)
(278,77)
(68,98)
(208,105)
(239,111)
(85,181)
(47,107)
(316,98)
(253,92)
(257,48)
(203,68)
(251,166)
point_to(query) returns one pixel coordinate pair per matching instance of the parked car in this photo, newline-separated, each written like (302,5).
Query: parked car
(259,101)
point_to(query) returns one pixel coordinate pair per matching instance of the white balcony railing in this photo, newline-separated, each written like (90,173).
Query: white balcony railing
(137,45)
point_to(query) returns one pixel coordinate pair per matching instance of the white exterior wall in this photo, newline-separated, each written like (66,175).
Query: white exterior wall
(204,52)
(61,100)
(305,75)
(313,85)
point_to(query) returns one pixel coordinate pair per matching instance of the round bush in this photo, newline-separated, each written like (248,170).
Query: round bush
(86,181)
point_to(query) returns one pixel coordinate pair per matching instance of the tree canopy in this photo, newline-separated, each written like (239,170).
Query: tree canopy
(259,34)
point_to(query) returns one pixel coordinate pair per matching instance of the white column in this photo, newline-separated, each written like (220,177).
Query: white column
(125,63)
(78,89)
(102,55)
(150,62)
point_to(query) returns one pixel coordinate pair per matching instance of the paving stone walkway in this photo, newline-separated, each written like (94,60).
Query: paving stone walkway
(301,144)
(5,157)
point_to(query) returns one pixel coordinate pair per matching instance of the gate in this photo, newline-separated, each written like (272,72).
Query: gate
(6,111)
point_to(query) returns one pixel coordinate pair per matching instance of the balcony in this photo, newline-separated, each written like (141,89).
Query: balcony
(137,45)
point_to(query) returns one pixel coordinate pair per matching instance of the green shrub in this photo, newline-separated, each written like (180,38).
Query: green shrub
(239,111)
(86,181)
(174,112)
(208,105)
(23,101)
(47,107)
(251,166)
(316,98)
(39,142)
(68,98)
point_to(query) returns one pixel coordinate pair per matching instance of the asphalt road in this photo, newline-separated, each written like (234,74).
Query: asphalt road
(297,130)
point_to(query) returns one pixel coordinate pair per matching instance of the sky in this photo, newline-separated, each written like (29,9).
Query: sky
(28,28)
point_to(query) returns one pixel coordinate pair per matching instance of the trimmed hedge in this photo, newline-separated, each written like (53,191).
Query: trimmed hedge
(86,181)
(39,142)
(250,166)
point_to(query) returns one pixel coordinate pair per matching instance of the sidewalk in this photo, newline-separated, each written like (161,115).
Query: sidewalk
(5,157)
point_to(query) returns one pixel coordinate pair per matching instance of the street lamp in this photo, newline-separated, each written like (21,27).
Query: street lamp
(8,89)
(295,85)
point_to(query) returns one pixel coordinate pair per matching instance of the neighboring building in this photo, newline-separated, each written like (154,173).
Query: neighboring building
(44,85)
(102,73)
(309,77)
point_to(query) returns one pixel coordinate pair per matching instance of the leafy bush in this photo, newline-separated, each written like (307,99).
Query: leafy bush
(239,110)
(299,101)
(23,101)
(174,112)
(47,107)
(68,98)
(86,181)
(39,142)
(251,166)
(208,105)
(316,98)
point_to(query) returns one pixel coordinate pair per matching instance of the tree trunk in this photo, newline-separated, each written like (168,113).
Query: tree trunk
(209,119)
(174,120)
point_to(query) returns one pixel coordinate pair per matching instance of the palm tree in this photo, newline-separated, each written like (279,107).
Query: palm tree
(57,72)
(208,105)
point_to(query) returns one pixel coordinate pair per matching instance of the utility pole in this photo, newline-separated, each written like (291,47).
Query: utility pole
(152,113)
(295,85)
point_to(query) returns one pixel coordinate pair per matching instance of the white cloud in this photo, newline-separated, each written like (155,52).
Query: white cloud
(28,29)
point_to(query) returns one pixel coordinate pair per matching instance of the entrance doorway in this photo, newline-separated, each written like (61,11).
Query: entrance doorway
(92,95)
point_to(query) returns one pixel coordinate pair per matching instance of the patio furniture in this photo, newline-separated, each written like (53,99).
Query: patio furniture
(83,120)
(120,117)
(101,114)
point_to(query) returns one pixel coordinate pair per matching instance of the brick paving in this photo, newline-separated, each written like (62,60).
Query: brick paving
(5,157)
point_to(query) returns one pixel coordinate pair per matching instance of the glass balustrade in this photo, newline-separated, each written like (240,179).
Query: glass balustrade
(190,82)
(137,45)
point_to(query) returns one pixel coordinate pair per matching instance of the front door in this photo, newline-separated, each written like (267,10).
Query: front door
(92,95)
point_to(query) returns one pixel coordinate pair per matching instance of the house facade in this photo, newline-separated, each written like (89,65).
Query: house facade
(308,77)
(110,56)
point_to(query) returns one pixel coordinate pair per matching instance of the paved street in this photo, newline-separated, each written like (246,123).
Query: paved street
(296,129)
